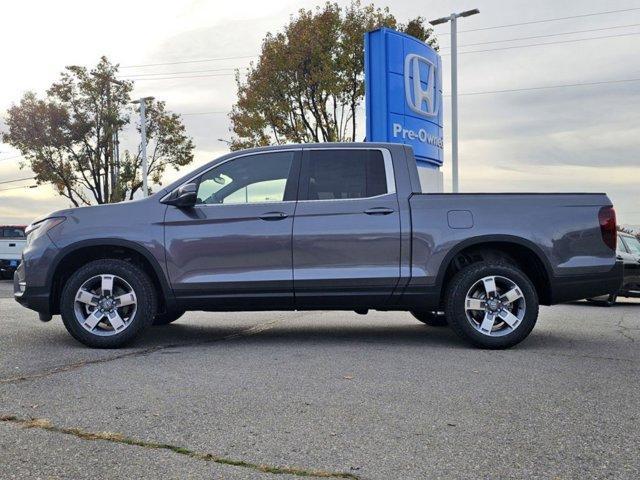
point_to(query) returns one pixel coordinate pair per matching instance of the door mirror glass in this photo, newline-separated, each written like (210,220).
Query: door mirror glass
(184,196)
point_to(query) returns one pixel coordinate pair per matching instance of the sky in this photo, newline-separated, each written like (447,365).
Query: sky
(582,138)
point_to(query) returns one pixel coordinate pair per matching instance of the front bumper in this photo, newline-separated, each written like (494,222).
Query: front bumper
(34,297)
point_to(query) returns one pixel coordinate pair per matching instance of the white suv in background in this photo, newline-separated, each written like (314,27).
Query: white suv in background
(12,241)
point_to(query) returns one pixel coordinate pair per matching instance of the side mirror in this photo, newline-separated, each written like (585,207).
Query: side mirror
(184,196)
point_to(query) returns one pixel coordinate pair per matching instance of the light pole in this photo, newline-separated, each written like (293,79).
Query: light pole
(453,18)
(143,143)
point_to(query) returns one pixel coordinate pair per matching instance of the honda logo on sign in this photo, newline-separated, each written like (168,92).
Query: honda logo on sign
(419,71)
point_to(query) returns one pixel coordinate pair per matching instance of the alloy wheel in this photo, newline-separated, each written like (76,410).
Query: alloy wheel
(105,305)
(495,306)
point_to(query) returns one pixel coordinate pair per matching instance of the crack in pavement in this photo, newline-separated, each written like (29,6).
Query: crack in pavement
(624,330)
(136,353)
(44,424)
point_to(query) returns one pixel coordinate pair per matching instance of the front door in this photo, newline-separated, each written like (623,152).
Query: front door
(346,232)
(233,249)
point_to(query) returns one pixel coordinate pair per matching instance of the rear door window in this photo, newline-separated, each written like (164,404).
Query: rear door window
(632,244)
(336,174)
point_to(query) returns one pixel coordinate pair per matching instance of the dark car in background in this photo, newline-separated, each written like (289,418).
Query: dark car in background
(628,253)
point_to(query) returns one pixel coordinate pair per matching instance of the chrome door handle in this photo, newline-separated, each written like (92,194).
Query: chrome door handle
(271,216)
(379,211)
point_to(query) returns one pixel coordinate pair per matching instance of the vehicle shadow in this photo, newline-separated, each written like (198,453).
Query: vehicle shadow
(402,335)
(620,303)
(290,333)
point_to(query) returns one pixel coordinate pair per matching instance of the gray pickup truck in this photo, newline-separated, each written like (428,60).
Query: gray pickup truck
(324,226)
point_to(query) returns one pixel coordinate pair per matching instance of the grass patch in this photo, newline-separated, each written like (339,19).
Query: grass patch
(44,424)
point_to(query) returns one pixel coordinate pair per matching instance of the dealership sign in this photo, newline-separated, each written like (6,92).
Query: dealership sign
(403,90)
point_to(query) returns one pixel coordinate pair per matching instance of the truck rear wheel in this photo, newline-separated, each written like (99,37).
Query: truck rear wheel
(433,319)
(491,304)
(107,303)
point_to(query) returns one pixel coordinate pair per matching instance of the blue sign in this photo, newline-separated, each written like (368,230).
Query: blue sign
(403,93)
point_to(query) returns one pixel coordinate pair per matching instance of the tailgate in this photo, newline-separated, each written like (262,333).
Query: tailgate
(11,248)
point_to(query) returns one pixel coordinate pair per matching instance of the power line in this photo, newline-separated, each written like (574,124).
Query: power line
(487,92)
(545,43)
(203,113)
(189,61)
(182,72)
(17,180)
(548,35)
(170,78)
(545,20)
(16,188)
(602,37)
(544,87)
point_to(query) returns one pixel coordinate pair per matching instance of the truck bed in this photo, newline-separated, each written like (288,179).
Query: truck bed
(561,228)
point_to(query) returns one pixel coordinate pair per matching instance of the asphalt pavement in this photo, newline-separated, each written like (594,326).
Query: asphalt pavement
(324,394)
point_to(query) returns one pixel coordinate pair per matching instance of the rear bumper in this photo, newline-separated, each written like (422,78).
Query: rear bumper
(578,287)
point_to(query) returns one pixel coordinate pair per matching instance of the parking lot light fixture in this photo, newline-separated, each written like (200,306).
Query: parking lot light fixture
(454,88)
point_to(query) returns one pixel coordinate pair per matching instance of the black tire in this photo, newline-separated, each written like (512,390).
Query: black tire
(433,319)
(165,318)
(455,299)
(140,283)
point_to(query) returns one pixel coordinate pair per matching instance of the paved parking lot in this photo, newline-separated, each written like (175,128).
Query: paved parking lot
(334,394)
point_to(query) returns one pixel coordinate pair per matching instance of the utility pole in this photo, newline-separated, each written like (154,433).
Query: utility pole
(112,157)
(143,143)
(453,19)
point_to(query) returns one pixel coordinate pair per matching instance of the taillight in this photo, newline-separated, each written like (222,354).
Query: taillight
(607,219)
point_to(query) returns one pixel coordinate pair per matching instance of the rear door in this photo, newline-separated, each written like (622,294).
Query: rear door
(346,232)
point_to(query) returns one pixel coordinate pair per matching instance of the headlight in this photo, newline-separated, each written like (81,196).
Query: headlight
(36,230)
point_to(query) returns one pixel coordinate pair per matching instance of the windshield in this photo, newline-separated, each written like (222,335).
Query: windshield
(633,244)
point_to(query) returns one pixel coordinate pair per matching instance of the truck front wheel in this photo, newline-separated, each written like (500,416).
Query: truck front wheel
(491,304)
(107,303)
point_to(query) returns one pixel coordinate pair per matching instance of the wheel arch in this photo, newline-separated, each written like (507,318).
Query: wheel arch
(524,253)
(82,252)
